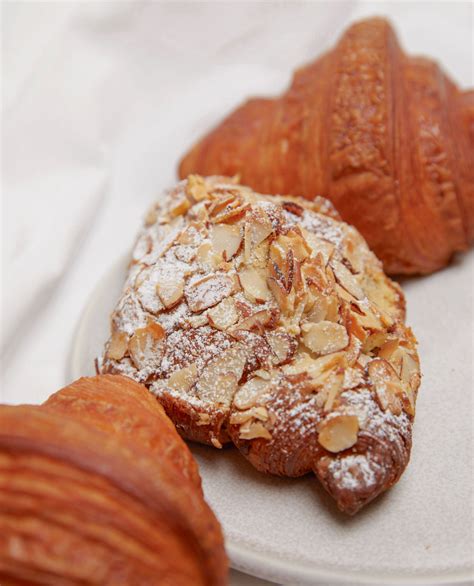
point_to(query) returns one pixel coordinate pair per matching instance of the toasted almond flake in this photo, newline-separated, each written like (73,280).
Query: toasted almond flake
(239,417)
(265,374)
(223,315)
(219,379)
(196,321)
(147,346)
(283,346)
(183,379)
(196,188)
(318,245)
(254,430)
(376,340)
(204,419)
(179,207)
(388,348)
(226,240)
(208,291)
(250,392)
(118,345)
(216,443)
(338,433)
(257,228)
(347,280)
(325,337)
(334,387)
(285,300)
(207,257)
(256,321)
(387,385)
(254,285)
(170,291)
(319,307)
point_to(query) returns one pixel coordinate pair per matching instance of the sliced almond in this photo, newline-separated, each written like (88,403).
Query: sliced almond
(388,348)
(207,257)
(196,188)
(283,346)
(285,300)
(226,240)
(325,337)
(258,227)
(256,321)
(346,279)
(179,207)
(254,430)
(170,290)
(387,385)
(219,379)
(316,368)
(250,392)
(223,315)
(203,419)
(239,417)
(183,379)
(339,433)
(318,245)
(254,285)
(334,387)
(117,346)
(147,346)
(208,291)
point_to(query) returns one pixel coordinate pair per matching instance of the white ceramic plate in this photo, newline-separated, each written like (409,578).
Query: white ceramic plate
(288,530)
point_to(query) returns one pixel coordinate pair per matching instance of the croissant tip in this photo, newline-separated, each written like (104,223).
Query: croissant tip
(353,480)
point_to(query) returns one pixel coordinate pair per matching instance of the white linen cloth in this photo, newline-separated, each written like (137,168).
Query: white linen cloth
(99,101)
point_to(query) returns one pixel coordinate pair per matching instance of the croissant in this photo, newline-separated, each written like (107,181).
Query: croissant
(267,322)
(388,138)
(96,487)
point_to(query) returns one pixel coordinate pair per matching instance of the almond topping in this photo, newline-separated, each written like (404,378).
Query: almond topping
(179,207)
(253,430)
(257,228)
(283,346)
(208,291)
(254,285)
(219,379)
(226,240)
(223,315)
(183,379)
(338,433)
(250,392)
(117,346)
(196,188)
(147,346)
(346,279)
(387,385)
(325,337)
(170,291)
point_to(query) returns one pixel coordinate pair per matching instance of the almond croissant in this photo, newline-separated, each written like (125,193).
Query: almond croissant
(388,138)
(267,322)
(96,487)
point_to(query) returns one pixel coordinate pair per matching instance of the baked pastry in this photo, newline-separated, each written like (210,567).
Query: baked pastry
(96,487)
(388,138)
(267,322)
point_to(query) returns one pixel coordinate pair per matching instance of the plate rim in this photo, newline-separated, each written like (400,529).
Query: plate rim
(242,557)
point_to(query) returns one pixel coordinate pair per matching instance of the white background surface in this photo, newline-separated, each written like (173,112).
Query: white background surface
(100,99)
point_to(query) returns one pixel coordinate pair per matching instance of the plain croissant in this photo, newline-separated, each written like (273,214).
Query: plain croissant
(96,487)
(388,138)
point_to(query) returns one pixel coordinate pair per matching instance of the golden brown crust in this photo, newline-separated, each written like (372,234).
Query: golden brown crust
(96,487)
(387,138)
(266,321)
